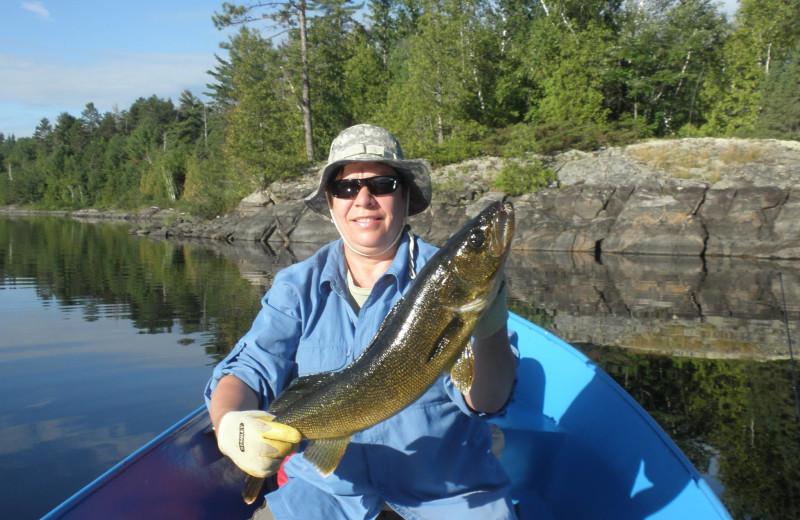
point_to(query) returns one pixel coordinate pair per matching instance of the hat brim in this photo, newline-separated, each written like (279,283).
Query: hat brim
(416,174)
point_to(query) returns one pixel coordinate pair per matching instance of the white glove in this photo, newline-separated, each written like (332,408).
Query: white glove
(495,315)
(255,443)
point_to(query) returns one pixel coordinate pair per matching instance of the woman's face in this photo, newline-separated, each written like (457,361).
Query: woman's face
(369,223)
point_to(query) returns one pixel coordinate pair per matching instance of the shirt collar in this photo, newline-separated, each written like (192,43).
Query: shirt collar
(334,272)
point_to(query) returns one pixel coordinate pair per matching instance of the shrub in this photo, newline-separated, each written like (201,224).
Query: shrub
(515,178)
(463,142)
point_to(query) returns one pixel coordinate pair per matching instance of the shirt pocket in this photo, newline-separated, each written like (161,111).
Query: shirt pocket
(312,359)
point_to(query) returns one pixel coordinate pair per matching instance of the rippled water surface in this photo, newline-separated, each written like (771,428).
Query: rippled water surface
(106,340)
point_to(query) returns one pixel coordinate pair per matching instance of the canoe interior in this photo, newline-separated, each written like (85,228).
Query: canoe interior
(179,474)
(577,447)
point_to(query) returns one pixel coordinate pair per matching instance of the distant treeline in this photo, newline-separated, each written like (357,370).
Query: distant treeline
(451,78)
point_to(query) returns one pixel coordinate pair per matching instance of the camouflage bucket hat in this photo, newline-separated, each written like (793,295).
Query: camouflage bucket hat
(368,143)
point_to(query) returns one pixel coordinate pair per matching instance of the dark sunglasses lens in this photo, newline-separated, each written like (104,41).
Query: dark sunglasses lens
(381,185)
(349,188)
(345,189)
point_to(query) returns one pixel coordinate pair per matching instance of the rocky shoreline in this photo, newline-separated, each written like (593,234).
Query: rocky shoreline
(689,197)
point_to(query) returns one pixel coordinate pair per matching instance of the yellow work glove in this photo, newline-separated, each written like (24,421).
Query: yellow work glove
(495,315)
(255,443)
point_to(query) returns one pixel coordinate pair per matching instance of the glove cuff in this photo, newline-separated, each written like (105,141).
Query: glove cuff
(495,316)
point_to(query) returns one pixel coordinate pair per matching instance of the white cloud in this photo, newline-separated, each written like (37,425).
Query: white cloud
(105,79)
(37,8)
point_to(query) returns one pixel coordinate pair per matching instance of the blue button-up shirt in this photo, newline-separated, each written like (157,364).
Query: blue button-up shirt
(432,460)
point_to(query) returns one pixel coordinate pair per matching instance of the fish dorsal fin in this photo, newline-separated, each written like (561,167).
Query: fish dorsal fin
(297,389)
(325,454)
(446,337)
(463,370)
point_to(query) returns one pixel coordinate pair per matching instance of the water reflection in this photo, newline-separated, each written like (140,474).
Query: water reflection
(73,292)
(717,308)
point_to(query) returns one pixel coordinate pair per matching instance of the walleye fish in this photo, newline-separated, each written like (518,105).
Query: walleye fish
(426,333)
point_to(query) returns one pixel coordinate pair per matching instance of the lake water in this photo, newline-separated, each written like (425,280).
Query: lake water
(107,339)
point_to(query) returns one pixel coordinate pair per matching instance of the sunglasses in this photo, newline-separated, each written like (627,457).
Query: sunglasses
(349,188)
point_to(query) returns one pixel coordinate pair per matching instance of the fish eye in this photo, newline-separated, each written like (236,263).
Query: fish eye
(477,238)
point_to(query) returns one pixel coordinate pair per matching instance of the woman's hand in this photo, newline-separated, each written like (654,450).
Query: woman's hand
(255,443)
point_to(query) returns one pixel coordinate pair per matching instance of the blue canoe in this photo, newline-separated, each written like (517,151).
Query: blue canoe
(577,447)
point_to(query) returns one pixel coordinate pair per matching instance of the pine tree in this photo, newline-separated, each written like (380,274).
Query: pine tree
(780,115)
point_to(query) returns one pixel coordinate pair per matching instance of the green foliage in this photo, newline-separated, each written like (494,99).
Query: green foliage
(516,178)
(573,79)
(264,130)
(764,33)
(513,141)
(780,114)
(464,142)
(451,78)
(521,139)
(666,51)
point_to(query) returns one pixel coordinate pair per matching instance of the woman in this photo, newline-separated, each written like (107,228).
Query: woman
(433,459)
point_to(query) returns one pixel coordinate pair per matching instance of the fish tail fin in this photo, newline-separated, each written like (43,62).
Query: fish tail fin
(252,489)
(325,454)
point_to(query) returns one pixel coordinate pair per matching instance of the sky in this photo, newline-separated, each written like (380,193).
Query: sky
(58,55)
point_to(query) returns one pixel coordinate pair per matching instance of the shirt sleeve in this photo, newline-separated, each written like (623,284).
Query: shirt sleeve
(264,358)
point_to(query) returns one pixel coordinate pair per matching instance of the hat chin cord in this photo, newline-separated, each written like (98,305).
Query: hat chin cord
(405,227)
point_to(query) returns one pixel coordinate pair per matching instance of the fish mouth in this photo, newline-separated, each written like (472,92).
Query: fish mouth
(504,228)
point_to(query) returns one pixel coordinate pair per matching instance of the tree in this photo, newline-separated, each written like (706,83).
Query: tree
(333,41)
(192,119)
(764,33)
(364,78)
(285,14)
(43,135)
(666,50)
(265,133)
(780,113)
(90,119)
(222,92)
(573,83)
(384,28)
(439,92)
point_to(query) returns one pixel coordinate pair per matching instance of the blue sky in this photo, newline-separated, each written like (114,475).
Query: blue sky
(58,55)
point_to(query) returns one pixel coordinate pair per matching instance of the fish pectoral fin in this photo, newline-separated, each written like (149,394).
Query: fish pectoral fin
(446,337)
(299,388)
(475,306)
(463,370)
(325,454)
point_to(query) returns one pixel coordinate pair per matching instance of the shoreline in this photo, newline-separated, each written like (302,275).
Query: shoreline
(703,197)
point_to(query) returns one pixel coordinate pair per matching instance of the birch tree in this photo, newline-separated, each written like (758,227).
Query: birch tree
(441,92)
(667,50)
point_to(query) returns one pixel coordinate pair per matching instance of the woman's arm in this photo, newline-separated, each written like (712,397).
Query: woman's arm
(495,370)
(231,394)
